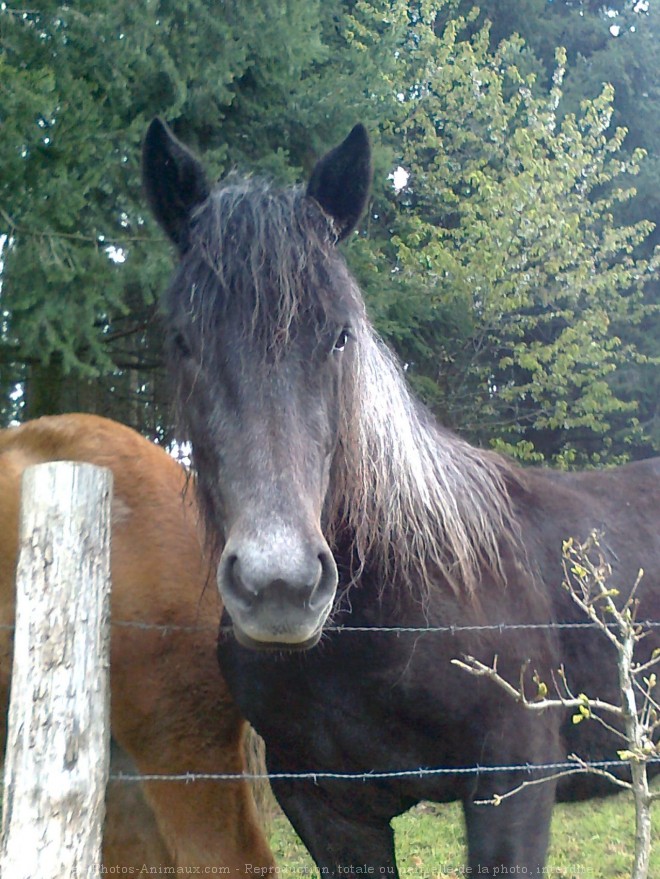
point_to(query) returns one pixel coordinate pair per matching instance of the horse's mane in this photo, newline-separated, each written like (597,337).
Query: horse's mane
(414,498)
(417,498)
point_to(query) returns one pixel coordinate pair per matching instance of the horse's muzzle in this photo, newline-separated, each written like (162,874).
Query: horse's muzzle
(279,593)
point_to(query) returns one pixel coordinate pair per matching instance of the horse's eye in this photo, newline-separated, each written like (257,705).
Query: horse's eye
(342,339)
(179,342)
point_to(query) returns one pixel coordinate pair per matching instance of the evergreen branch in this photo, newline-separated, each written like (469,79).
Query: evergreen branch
(106,241)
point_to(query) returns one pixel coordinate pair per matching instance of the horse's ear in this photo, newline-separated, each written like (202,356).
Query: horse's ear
(341,180)
(174,181)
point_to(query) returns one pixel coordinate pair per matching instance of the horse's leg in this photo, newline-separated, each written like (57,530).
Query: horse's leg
(342,842)
(172,714)
(131,837)
(513,834)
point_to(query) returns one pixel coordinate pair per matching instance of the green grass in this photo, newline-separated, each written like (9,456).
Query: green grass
(592,840)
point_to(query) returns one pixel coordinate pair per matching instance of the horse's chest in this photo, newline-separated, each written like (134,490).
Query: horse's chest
(351,704)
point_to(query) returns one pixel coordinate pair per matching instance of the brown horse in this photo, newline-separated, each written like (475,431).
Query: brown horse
(171,712)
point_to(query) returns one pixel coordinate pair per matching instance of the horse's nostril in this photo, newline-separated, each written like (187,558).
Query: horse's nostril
(233,583)
(328,568)
(327,582)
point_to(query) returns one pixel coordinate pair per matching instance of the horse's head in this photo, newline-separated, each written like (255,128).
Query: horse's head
(260,318)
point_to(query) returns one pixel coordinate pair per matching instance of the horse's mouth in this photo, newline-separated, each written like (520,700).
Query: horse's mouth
(276,646)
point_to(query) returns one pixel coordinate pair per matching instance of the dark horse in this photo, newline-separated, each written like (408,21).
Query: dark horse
(339,502)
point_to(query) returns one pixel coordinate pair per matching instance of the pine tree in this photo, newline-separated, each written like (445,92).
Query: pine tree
(82,262)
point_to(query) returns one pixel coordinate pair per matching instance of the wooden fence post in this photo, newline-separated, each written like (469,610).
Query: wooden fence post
(58,737)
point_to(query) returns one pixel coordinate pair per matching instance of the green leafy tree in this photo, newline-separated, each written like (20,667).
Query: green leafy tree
(613,43)
(506,243)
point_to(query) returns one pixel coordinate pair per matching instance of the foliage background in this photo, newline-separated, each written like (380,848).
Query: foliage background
(515,274)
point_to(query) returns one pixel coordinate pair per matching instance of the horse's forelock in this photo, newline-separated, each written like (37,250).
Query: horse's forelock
(267,254)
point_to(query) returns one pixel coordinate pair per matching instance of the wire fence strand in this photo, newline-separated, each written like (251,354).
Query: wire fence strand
(447,630)
(372,775)
(167,628)
(375,775)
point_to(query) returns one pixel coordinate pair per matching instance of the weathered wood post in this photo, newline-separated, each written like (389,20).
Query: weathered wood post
(58,736)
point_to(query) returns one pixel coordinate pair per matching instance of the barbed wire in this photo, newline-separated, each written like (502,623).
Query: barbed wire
(449,630)
(167,628)
(374,775)
(371,775)
(420,772)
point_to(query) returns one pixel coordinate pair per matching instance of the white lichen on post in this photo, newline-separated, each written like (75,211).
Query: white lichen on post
(58,737)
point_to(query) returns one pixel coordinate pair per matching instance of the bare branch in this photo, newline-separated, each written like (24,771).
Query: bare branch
(479,669)
(581,769)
